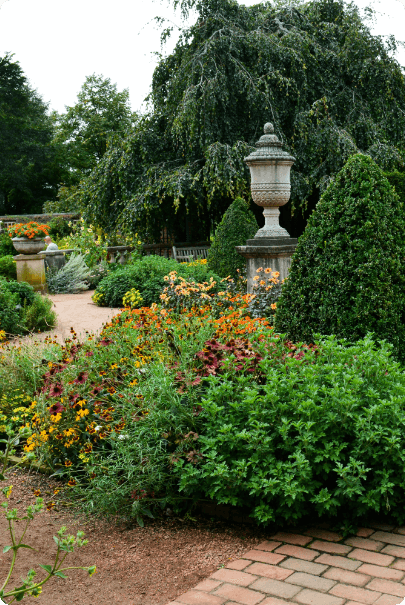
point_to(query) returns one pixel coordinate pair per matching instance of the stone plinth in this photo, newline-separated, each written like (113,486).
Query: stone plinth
(275,253)
(31,269)
(54,260)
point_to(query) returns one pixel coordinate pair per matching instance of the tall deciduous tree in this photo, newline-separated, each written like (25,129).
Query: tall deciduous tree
(100,112)
(313,68)
(28,171)
(84,131)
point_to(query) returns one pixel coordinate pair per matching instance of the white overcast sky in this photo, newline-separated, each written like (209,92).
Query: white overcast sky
(59,43)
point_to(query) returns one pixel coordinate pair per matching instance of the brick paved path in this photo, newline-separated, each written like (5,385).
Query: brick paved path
(315,568)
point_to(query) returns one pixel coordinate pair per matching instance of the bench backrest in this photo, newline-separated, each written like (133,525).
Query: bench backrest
(187,255)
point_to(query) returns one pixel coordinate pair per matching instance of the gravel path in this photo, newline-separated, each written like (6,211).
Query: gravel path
(79,311)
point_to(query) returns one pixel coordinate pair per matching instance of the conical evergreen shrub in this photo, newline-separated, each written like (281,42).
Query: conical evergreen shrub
(347,274)
(237,225)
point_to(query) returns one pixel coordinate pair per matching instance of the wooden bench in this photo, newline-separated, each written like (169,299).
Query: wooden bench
(188,255)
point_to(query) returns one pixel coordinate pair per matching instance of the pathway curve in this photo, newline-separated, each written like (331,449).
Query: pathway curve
(78,311)
(316,567)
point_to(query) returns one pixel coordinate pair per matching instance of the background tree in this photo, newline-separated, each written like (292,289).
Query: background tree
(313,68)
(83,132)
(29,172)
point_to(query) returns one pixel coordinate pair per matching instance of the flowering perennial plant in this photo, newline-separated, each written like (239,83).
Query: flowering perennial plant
(132,299)
(30,230)
(90,242)
(181,294)
(266,292)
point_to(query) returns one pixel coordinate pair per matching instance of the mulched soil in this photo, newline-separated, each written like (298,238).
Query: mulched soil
(148,566)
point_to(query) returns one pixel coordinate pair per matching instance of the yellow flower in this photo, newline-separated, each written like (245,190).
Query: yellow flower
(273,306)
(81,413)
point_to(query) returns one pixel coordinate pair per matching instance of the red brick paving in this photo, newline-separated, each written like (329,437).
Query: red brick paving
(297,551)
(315,567)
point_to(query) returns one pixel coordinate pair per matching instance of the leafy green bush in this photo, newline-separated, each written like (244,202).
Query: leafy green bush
(347,274)
(9,313)
(6,245)
(237,225)
(147,276)
(38,316)
(322,433)
(8,267)
(59,227)
(23,310)
(24,291)
(72,277)
(397,179)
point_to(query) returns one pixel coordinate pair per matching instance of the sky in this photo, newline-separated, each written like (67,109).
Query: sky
(59,43)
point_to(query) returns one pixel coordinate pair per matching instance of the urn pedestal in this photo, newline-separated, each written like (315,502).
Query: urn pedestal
(272,247)
(31,269)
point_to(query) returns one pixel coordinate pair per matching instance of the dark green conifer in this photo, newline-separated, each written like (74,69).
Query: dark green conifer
(347,274)
(237,225)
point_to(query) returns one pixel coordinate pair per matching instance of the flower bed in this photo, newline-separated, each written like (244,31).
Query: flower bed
(200,400)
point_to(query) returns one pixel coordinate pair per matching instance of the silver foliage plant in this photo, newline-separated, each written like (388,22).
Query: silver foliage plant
(72,277)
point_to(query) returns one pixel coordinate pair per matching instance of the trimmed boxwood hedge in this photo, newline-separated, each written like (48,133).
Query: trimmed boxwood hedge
(237,225)
(347,274)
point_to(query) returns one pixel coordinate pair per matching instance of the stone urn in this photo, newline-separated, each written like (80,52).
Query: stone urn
(270,169)
(24,245)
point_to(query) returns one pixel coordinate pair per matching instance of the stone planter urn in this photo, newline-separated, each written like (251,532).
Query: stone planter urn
(24,245)
(270,169)
(272,247)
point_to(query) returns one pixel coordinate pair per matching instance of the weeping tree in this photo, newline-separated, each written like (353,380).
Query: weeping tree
(313,68)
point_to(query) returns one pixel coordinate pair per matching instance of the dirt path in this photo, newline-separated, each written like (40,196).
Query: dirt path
(79,311)
(135,566)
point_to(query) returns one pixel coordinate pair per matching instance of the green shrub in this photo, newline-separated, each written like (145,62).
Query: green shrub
(147,276)
(237,225)
(347,274)
(38,316)
(6,245)
(321,434)
(59,228)
(397,179)
(23,310)
(8,267)
(72,277)
(24,291)
(9,313)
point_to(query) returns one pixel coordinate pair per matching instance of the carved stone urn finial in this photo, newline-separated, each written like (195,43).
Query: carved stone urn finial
(270,180)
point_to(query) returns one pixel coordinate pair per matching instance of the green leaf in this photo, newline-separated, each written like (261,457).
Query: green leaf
(21,592)
(140,521)
(60,575)
(48,568)
(6,549)
(26,546)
